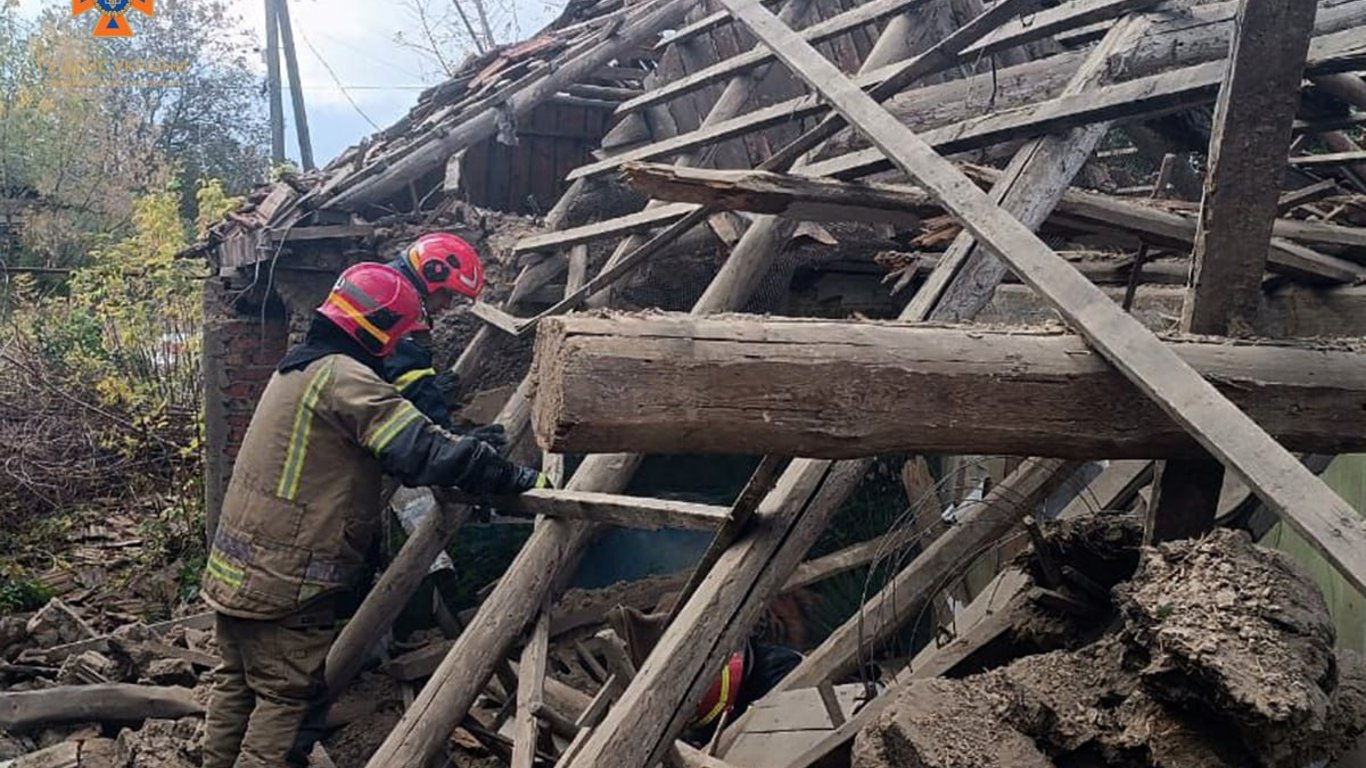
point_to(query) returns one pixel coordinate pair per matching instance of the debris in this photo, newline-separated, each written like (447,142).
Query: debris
(56,624)
(1224,659)
(171,672)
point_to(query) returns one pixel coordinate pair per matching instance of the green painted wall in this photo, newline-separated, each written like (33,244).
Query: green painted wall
(1347,476)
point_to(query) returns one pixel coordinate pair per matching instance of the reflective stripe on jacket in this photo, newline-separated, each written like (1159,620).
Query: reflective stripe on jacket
(410,369)
(302,508)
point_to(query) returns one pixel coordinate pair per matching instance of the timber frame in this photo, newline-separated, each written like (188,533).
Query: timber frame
(885,125)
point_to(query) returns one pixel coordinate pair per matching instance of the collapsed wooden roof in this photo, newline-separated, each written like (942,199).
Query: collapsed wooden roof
(1035,95)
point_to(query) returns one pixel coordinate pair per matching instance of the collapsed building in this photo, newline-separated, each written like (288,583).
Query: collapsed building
(1058,265)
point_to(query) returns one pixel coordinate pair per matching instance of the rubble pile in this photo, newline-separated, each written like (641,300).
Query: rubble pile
(1224,658)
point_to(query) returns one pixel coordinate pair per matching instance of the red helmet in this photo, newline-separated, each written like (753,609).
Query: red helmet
(375,305)
(442,261)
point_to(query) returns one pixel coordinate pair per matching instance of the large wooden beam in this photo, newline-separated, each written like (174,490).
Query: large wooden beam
(822,199)
(1252,120)
(1331,526)
(828,389)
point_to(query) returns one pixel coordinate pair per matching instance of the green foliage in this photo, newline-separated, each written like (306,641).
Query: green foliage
(18,593)
(89,126)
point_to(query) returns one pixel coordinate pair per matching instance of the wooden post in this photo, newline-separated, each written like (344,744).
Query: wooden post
(296,92)
(530,692)
(277,110)
(395,587)
(1330,525)
(1252,124)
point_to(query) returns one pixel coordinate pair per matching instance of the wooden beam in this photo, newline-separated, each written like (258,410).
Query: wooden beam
(1329,160)
(641,221)
(531,693)
(821,199)
(106,702)
(902,599)
(788,383)
(1256,105)
(1252,121)
(1046,23)
(395,587)
(1331,526)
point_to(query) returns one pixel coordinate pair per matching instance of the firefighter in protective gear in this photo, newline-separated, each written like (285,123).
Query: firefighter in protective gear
(300,512)
(440,266)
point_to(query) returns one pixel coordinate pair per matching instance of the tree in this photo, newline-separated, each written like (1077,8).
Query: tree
(87,126)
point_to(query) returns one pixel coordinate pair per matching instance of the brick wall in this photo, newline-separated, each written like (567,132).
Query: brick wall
(240,353)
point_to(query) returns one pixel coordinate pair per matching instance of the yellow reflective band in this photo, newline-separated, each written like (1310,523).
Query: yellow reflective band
(405,415)
(224,571)
(412,377)
(722,700)
(288,487)
(341,303)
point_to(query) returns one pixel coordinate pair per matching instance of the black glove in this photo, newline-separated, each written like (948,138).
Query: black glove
(448,382)
(527,479)
(493,434)
(497,476)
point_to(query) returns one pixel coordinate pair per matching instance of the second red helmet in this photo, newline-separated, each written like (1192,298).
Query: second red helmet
(442,261)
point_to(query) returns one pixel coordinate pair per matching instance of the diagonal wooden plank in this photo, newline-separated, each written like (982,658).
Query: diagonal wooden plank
(1329,523)
(859,15)
(1030,189)
(1251,135)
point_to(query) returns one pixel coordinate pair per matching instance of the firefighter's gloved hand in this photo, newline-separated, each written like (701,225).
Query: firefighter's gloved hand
(448,382)
(529,479)
(493,434)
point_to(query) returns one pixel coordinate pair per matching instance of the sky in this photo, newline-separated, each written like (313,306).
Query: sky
(355,39)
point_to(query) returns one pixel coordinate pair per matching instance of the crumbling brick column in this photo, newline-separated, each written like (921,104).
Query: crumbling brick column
(241,348)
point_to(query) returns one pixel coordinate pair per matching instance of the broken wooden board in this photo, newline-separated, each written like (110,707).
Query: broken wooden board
(788,383)
(640,512)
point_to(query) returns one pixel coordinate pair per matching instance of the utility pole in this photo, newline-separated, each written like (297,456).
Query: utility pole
(277,110)
(296,93)
(279,30)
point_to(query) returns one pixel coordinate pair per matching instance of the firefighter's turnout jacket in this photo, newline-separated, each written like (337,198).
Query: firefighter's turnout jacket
(411,370)
(301,509)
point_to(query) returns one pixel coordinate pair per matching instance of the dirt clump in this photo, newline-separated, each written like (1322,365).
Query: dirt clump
(1223,658)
